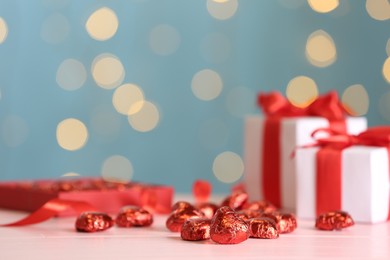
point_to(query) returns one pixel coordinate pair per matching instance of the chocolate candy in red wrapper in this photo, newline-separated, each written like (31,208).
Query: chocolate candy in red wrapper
(263,228)
(261,205)
(285,222)
(247,214)
(196,229)
(176,220)
(227,227)
(182,206)
(201,189)
(93,222)
(236,200)
(334,220)
(133,216)
(208,209)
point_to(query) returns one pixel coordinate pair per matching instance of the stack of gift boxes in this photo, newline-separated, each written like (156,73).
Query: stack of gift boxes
(317,159)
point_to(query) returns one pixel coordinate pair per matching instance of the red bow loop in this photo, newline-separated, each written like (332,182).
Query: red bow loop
(275,104)
(327,105)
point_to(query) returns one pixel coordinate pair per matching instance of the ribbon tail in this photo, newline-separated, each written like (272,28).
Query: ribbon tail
(51,209)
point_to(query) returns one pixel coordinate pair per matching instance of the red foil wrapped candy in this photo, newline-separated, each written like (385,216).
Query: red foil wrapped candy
(93,222)
(227,227)
(285,222)
(334,220)
(208,209)
(133,216)
(176,220)
(196,229)
(235,201)
(261,205)
(263,228)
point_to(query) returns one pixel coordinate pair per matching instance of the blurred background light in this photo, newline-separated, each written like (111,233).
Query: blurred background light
(71,74)
(107,71)
(3,30)
(206,85)
(228,167)
(102,24)
(301,91)
(320,49)
(72,134)
(355,99)
(321,6)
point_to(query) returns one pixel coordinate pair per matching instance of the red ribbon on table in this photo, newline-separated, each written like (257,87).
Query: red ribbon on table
(276,107)
(51,209)
(329,162)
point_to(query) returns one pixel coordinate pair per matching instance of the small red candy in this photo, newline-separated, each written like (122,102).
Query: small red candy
(208,209)
(181,206)
(133,216)
(227,227)
(236,200)
(247,214)
(263,228)
(196,229)
(285,222)
(201,189)
(261,205)
(176,220)
(93,222)
(334,220)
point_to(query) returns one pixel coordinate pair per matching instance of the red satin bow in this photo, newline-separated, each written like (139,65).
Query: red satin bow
(276,107)
(374,136)
(329,162)
(328,106)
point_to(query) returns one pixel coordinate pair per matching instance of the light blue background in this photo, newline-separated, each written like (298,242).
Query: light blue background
(267,49)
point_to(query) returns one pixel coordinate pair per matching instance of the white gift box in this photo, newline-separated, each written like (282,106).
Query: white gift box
(294,131)
(364,183)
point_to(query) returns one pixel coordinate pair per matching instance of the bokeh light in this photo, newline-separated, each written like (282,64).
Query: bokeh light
(386,69)
(117,168)
(107,71)
(71,74)
(378,9)
(213,133)
(206,85)
(55,29)
(322,6)
(128,99)
(301,91)
(384,106)
(228,167)
(72,134)
(164,39)
(222,10)
(145,119)
(215,48)
(15,130)
(355,100)
(3,30)
(106,123)
(320,49)
(102,24)
(237,101)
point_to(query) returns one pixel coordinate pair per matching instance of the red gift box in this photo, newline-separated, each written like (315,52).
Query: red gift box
(105,196)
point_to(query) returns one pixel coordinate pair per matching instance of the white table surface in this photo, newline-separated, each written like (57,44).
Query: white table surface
(57,239)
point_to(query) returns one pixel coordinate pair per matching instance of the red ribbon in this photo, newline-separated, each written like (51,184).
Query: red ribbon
(276,107)
(51,209)
(329,162)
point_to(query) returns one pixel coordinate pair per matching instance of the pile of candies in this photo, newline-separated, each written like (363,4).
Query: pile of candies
(232,222)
